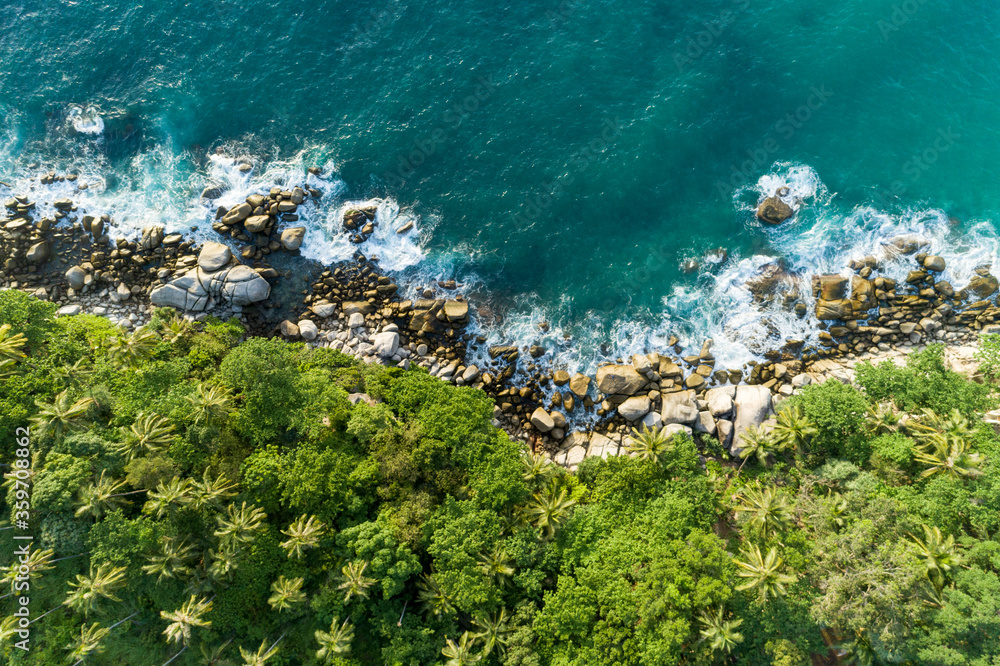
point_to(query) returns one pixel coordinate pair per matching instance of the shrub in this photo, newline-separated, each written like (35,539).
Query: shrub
(989,356)
(924,382)
(263,373)
(892,456)
(838,412)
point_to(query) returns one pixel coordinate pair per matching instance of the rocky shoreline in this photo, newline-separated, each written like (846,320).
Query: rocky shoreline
(69,257)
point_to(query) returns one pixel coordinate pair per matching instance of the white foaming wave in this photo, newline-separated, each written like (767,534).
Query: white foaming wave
(802,181)
(85,120)
(395,251)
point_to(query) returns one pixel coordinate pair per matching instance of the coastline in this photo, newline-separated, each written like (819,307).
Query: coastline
(71,259)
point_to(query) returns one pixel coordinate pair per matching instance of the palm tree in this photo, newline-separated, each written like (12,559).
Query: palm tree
(940,432)
(168,497)
(302,534)
(87,643)
(175,329)
(649,444)
(140,345)
(12,346)
(435,600)
(336,642)
(287,592)
(73,376)
(211,403)
(241,524)
(100,497)
(88,590)
(956,461)
(940,554)
(537,468)
(549,510)
(768,510)
(262,654)
(354,581)
(720,634)
(496,565)
(11,350)
(211,493)
(37,562)
(186,618)
(172,561)
(8,628)
(756,442)
(223,562)
(793,430)
(61,416)
(493,631)
(150,433)
(762,573)
(462,652)
(882,419)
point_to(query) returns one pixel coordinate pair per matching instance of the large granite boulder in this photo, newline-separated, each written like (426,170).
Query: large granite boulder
(635,408)
(198,289)
(291,238)
(681,407)
(619,380)
(214,256)
(753,407)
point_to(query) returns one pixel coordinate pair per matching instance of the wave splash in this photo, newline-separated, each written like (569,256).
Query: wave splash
(159,186)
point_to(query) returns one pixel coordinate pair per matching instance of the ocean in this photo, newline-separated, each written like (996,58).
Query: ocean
(594,166)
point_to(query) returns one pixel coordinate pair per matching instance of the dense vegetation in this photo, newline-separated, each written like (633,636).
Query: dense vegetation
(213,500)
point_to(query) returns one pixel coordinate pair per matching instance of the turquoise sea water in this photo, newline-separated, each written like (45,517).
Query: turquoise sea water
(563,158)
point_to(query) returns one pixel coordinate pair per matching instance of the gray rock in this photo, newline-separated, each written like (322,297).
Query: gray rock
(798,381)
(37,253)
(652,421)
(76,276)
(634,408)
(724,431)
(470,374)
(753,407)
(929,324)
(291,238)
(237,214)
(679,408)
(124,293)
(933,262)
(672,429)
(579,384)
(197,289)
(308,330)
(69,310)
(214,256)
(152,237)
(289,329)
(705,423)
(720,400)
(543,421)
(256,223)
(356,320)
(601,446)
(386,344)
(323,309)
(619,380)
(641,363)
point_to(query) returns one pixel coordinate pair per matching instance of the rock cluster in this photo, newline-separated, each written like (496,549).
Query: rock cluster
(255,221)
